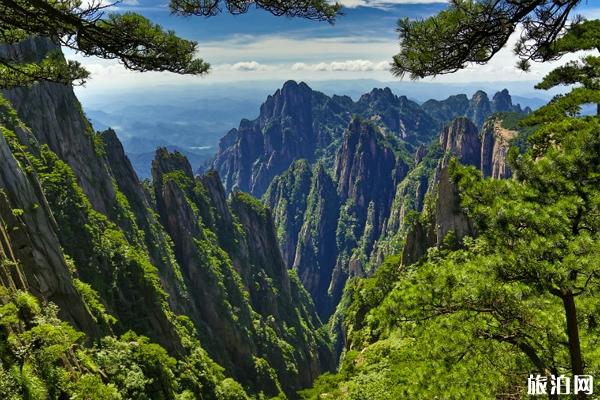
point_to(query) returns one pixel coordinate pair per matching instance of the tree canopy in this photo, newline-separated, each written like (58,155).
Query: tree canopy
(473,31)
(140,45)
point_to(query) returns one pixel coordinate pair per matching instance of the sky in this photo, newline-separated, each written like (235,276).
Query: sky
(258,46)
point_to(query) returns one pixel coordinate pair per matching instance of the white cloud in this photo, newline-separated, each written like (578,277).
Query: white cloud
(247,66)
(340,66)
(385,3)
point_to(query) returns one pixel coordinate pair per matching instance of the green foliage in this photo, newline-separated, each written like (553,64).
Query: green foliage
(473,31)
(229,389)
(42,357)
(93,301)
(253,203)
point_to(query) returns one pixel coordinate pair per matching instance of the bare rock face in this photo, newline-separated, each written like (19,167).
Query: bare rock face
(29,239)
(460,139)
(449,216)
(479,108)
(55,118)
(495,143)
(293,123)
(364,171)
(502,102)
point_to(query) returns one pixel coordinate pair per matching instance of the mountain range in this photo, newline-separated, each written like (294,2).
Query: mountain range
(342,176)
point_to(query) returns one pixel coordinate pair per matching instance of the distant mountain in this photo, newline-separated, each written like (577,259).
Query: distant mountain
(297,122)
(342,177)
(198,115)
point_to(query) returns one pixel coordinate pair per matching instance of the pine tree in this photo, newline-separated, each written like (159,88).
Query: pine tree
(474,31)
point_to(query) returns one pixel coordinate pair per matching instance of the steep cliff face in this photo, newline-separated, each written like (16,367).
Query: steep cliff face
(399,115)
(495,143)
(287,197)
(156,240)
(178,263)
(316,254)
(332,224)
(56,119)
(179,206)
(29,239)
(502,102)
(442,215)
(366,176)
(293,124)
(381,188)
(237,279)
(479,108)
(460,139)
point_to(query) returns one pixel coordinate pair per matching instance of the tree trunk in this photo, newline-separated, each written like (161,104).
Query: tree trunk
(573,333)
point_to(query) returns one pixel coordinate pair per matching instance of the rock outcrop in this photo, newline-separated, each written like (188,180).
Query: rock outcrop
(330,224)
(479,108)
(293,124)
(54,116)
(287,197)
(29,241)
(495,143)
(460,139)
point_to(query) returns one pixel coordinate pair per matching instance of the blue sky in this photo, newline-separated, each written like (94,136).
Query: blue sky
(259,46)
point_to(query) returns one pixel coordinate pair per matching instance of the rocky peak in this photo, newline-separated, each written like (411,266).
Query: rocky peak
(479,108)
(216,192)
(121,167)
(446,110)
(378,96)
(287,197)
(502,102)
(316,253)
(294,123)
(293,100)
(363,164)
(495,143)
(461,139)
(166,162)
